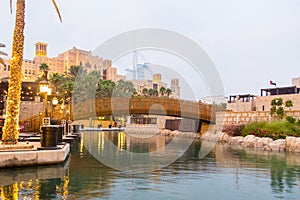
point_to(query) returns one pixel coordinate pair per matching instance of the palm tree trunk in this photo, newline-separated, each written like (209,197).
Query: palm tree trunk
(10,130)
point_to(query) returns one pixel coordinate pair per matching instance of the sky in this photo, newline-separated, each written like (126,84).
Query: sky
(249,41)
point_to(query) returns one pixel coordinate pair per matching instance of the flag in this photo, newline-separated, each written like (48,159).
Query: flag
(272,83)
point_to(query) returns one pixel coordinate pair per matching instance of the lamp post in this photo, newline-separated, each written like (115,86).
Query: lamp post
(54,104)
(44,89)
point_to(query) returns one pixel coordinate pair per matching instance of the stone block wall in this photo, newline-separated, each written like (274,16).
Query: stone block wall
(230,117)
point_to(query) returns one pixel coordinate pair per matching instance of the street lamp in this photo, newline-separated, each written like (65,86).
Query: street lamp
(54,104)
(44,89)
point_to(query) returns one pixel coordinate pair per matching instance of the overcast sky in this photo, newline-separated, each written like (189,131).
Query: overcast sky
(250,42)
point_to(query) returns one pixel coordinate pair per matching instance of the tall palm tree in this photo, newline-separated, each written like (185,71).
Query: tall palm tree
(44,68)
(57,80)
(76,70)
(10,129)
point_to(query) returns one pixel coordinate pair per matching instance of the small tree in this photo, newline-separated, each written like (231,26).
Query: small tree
(168,91)
(277,108)
(289,104)
(145,92)
(162,91)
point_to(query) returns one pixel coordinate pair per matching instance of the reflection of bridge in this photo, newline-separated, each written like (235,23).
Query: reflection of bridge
(145,105)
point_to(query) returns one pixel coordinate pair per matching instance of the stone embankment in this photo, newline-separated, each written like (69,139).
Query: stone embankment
(290,144)
(176,133)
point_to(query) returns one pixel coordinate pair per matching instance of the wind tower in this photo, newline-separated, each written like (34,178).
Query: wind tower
(41,49)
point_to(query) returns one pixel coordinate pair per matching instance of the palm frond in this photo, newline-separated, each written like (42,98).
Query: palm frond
(10,3)
(57,10)
(2,62)
(3,53)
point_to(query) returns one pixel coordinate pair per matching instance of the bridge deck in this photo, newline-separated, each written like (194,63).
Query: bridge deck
(145,105)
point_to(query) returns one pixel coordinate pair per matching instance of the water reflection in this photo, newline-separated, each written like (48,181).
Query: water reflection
(246,173)
(38,182)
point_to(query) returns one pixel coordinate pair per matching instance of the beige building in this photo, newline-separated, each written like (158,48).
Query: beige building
(242,103)
(139,85)
(60,64)
(296,82)
(111,74)
(238,103)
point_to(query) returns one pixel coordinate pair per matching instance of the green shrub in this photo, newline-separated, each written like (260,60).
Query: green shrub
(290,119)
(274,130)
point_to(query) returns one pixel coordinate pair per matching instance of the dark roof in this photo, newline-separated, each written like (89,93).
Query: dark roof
(282,90)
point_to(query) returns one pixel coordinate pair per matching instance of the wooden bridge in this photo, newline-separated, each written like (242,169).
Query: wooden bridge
(145,105)
(135,105)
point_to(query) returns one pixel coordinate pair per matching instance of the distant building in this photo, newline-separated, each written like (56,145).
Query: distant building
(139,85)
(111,74)
(249,102)
(241,102)
(296,82)
(156,77)
(175,87)
(60,64)
(214,100)
(141,72)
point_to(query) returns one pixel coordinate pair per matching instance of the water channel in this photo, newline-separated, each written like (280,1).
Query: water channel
(225,173)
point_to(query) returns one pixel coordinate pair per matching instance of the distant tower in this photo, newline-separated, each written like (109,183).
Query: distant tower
(175,87)
(157,78)
(296,82)
(41,49)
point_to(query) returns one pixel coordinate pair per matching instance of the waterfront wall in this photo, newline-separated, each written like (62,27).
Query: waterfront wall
(231,117)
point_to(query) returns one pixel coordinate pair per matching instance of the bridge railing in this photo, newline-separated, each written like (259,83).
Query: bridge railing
(145,105)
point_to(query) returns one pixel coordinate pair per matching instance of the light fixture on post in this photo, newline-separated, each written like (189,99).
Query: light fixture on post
(54,104)
(44,89)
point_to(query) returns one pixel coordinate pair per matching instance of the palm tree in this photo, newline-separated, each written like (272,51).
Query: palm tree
(10,129)
(57,80)
(76,70)
(162,91)
(105,88)
(124,89)
(145,91)
(168,91)
(44,68)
